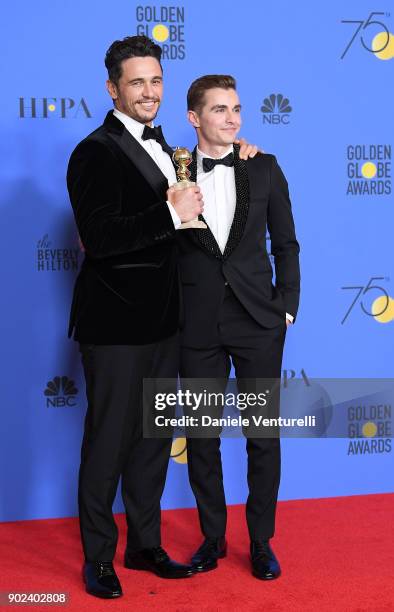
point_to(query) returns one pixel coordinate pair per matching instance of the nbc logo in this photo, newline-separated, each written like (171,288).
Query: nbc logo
(60,392)
(276,109)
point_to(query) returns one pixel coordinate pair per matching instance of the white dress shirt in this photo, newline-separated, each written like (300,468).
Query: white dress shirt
(153,148)
(219,195)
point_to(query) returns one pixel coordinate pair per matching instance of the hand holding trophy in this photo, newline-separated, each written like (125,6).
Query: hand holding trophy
(182,158)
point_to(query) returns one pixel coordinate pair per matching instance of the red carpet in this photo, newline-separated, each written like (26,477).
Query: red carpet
(336,555)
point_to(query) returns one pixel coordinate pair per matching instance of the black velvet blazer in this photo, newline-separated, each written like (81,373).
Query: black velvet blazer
(127,291)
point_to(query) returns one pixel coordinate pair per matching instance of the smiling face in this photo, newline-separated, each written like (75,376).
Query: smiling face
(218,121)
(139,90)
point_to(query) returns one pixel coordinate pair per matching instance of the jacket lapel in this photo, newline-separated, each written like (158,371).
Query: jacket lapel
(203,236)
(137,154)
(242,203)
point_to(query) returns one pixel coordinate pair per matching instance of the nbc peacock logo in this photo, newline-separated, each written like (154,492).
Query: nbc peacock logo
(60,392)
(276,110)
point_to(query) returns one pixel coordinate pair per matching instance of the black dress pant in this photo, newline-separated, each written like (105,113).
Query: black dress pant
(255,352)
(114,447)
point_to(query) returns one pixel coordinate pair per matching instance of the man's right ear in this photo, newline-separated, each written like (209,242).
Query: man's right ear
(111,88)
(193,118)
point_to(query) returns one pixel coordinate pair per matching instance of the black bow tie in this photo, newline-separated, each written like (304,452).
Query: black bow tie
(156,133)
(208,163)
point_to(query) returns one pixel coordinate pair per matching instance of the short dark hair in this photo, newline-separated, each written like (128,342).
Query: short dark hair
(195,95)
(131,46)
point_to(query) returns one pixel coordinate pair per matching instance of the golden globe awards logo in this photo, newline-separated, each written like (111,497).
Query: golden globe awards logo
(60,108)
(369,429)
(166,26)
(368,169)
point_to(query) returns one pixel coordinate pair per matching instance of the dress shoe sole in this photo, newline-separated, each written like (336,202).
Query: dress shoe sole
(256,575)
(140,565)
(211,566)
(105,595)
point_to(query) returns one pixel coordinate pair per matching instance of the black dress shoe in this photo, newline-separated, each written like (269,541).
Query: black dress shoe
(264,563)
(157,561)
(206,557)
(101,580)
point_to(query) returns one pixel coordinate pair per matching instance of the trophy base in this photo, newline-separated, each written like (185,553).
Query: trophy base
(194,223)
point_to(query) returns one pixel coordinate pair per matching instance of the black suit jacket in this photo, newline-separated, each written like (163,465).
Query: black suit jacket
(127,291)
(262,202)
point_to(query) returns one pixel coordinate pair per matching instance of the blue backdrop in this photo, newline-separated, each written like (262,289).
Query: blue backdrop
(317,92)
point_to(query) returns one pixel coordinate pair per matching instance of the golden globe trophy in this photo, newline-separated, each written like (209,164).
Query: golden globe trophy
(182,158)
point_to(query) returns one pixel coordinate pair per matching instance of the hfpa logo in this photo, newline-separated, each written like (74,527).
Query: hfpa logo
(276,110)
(60,392)
(62,108)
(289,375)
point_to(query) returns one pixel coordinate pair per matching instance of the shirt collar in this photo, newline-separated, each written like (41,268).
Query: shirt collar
(134,127)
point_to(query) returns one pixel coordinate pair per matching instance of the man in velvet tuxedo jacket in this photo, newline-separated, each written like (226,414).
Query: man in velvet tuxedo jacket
(125,312)
(232,312)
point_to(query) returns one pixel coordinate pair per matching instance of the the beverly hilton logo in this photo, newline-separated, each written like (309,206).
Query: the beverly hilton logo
(276,110)
(166,26)
(368,170)
(60,392)
(50,259)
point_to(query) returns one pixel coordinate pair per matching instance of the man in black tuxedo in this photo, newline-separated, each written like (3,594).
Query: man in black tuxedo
(125,312)
(231,309)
